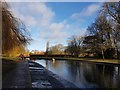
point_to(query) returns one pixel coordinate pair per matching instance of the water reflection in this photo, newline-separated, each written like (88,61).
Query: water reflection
(85,74)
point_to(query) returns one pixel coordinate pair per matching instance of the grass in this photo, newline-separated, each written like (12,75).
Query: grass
(109,61)
(9,58)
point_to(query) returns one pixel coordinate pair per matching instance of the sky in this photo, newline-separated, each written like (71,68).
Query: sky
(55,22)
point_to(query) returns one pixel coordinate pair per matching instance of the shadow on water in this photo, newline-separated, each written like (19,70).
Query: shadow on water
(85,74)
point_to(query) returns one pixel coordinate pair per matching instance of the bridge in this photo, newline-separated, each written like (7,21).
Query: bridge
(39,56)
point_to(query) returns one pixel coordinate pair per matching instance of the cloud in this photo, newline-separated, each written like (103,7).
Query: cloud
(57,26)
(32,13)
(40,16)
(56,31)
(43,11)
(90,10)
(40,20)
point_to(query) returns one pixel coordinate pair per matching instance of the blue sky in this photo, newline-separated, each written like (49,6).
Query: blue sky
(54,21)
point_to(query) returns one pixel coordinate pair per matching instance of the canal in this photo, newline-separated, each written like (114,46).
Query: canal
(85,75)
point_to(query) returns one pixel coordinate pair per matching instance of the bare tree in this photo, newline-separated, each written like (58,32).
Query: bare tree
(105,31)
(101,32)
(74,45)
(112,9)
(14,32)
(116,38)
(57,49)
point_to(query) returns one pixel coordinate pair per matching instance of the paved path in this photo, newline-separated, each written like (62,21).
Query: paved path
(19,77)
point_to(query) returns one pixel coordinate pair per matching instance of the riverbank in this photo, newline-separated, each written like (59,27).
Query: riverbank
(29,74)
(89,60)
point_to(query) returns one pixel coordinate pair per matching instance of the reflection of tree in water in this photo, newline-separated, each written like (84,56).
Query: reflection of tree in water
(87,74)
(56,64)
(119,75)
(73,67)
(116,76)
(106,76)
(46,64)
(99,74)
(81,73)
(90,74)
(49,63)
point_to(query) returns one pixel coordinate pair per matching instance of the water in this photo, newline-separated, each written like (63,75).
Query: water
(84,74)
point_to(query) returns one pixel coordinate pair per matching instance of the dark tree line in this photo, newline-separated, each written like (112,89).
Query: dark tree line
(14,33)
(103,35)
(56,49)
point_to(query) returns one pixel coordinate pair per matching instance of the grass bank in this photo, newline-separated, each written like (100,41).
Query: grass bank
(106,61)
(92,60)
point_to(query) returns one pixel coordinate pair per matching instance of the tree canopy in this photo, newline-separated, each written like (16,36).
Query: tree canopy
(103,35)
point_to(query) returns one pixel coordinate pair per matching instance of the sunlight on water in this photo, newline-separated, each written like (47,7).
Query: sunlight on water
(42,62)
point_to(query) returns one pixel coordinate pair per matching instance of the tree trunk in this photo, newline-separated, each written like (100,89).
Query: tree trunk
(103,54)
(117,53)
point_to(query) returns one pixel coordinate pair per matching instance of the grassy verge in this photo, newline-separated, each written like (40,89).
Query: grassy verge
(9,59)
(108,61)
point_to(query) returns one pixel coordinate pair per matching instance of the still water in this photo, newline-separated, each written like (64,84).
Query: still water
(85,75)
